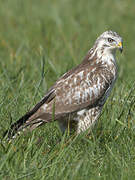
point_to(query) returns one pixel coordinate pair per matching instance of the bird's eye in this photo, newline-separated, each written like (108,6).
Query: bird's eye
(110,40)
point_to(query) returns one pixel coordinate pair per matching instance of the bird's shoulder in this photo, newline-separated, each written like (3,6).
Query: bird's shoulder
(88,65)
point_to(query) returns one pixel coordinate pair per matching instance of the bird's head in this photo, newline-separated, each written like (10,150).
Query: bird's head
(109,41)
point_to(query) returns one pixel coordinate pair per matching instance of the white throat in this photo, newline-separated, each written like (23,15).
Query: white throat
(106,55)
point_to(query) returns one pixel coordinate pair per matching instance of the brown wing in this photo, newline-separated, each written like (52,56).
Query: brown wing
(83,88)
(59,85)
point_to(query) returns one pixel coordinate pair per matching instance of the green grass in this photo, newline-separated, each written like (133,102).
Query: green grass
(39,41)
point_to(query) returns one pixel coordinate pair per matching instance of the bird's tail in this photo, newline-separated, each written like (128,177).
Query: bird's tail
(21,123)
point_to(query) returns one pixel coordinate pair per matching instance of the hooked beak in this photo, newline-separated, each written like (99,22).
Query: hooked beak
(120,46)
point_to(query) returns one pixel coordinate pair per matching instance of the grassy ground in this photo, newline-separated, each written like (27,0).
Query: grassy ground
(39,41)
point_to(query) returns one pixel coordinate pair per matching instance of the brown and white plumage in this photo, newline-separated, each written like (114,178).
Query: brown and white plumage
(79,95)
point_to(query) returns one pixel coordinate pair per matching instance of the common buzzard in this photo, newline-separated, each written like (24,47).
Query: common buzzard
(78,96)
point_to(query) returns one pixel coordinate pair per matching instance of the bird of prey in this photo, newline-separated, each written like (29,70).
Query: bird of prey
(78,96)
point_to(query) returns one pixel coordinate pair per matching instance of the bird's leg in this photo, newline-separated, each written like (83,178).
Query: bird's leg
(67,124)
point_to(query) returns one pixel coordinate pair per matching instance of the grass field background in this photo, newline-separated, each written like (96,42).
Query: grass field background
(39,41)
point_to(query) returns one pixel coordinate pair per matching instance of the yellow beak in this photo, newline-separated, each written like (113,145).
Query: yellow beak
(120,46)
